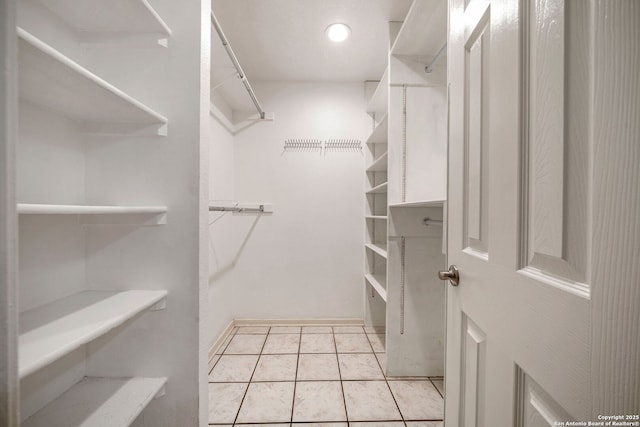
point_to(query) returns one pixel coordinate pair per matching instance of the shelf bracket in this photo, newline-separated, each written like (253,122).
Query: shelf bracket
(160,305)
(161,392)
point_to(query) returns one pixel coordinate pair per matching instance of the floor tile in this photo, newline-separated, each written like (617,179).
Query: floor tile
(276,367)
(262,425)
(424,424)
(352,343)
(439,385)
(418,400)
(234,368)
(267,403)
(374,329)
(317,343)
(312,367)
(285,330)
(245,344)
(377,342)
(319,401)
(224,401)
(319,425)
(282,344)
(377,424)
(359,367)
(382,359)
(369,401)
(252,330)
(316,330)
(348,330)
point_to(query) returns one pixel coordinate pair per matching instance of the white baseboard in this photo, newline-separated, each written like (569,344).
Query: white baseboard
(221,339)
(299,322)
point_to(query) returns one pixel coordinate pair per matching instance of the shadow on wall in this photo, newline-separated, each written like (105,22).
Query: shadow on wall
(224,269)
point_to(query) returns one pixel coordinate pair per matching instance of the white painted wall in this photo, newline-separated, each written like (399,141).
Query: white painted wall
(306,260)
(221,247)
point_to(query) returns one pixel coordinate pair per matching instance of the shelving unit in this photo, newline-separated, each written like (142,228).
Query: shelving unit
(378,189)
(424,30)
(379,248)
(406,171)
(42,209)
(55,82)
(380,99)
(379,134)
(99,402)
(113,17)
(419,204)
(93,151)
(51,331)
(379,164)
(378,282)
(376,160)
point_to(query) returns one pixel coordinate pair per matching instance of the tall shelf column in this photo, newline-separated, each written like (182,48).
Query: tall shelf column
(414,191)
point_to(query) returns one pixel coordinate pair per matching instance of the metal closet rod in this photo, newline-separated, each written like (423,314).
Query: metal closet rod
(235,209)
(234,60)
(429,68)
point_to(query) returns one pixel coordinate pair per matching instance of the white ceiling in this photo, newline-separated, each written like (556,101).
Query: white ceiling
(284,40)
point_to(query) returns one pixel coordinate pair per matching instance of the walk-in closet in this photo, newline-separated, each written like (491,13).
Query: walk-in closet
(328,197)
(319,213)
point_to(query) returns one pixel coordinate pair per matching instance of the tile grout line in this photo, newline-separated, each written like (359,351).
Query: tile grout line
(304,381)
(344,399)
(437,389)
(295,379)
(235,420)
(386,381)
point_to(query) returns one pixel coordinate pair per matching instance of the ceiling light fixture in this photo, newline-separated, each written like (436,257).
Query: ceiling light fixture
(338,32)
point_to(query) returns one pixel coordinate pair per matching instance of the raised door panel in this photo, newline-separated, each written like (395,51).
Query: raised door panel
(476,116)
(556,146)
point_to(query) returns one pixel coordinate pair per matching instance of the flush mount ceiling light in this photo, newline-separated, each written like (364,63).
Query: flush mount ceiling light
(338,32)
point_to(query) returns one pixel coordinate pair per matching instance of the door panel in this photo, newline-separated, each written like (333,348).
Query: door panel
(535,408)
(476,138)
(556,158)
(474,371)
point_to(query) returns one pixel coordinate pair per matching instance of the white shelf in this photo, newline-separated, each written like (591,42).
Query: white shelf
(379,134)
(380,99)
(56,329)
(377,217)
(51,80)
(419,204)
(99,402)
(41,209)
(112,17)
(376,281)
(378,189)
(379,248)
(424,30)
(379,164)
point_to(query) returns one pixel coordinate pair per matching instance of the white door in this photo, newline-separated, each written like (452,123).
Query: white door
(544,219)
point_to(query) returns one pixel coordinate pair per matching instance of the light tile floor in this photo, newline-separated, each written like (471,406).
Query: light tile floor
(316,376)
